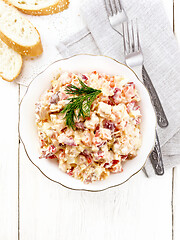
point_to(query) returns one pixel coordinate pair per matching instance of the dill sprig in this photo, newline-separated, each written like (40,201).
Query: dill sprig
(80,104)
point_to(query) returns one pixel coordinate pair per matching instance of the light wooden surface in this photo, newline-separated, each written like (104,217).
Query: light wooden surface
(34,208)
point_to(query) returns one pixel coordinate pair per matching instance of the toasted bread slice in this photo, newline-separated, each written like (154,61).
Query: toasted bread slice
(40,7)
(17,32)
(10,62)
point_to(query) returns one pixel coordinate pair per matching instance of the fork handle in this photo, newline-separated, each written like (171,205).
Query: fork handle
(156,158)
(161,117)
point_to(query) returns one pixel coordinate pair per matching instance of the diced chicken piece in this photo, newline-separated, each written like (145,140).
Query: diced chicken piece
(93,122)
(98,171)
(116,147)
(95,148)
(108,155)
(122,124)
(94,82)
(71,153)
(121,81)
(58,107)
(42,111)
(65,78)
(106,89)
(77,172)
(58,121)
(63,166)
(105,134)
(59,127)
(124,150)
(55,108)
(69,132)
(66,140)
(120,112)
(45,97)
(86,138)
(78,137)
(55,142)
(104,109)
(46,128)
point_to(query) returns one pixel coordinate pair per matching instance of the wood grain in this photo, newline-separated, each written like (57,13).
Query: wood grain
(176,207)
(132,211)
(9,161)
(141,208)
(49,211)
(176,171)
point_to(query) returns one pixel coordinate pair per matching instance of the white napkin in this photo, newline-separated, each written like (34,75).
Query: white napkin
(161,58)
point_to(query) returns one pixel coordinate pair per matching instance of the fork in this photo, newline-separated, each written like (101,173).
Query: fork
(134,59)
(116,12)
(114,9)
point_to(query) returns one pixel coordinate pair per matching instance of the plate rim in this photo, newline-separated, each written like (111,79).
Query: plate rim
(74,189)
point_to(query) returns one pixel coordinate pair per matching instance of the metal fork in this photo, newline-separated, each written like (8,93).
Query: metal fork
(115,10)
(134,59)
(115,13)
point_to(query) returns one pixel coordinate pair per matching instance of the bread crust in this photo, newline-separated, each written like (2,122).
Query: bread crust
(10,80)
(33,51)
(57,7)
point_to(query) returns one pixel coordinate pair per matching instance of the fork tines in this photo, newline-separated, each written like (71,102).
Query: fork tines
(130,37)
(113,7)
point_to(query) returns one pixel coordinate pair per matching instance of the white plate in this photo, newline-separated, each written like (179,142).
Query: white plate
(84,64)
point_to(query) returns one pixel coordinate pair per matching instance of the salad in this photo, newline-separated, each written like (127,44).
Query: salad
(93,138)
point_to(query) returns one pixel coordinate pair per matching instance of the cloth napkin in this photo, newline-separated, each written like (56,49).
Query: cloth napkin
(161,58)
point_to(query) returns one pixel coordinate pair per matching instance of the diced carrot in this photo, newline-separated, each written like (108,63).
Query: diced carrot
(112,84)
(107,77)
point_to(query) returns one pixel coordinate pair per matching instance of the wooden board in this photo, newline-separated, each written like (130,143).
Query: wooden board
(34,208)
(9,160)
(139,209)
(176,178)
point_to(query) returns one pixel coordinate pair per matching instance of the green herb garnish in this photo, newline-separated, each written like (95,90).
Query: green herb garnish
(80,104)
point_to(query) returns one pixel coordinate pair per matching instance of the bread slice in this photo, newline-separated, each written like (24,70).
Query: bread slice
(17,32)
(40,7)
(10,62)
